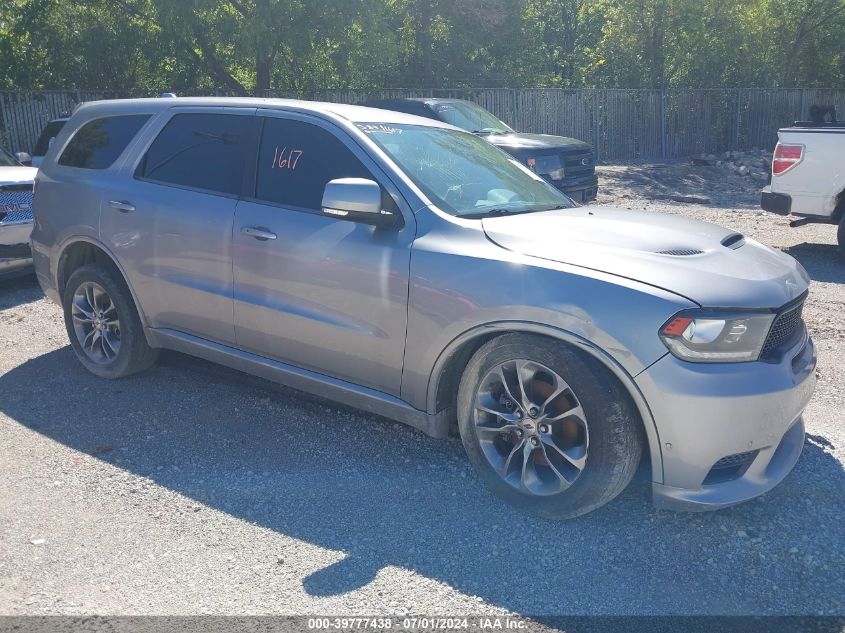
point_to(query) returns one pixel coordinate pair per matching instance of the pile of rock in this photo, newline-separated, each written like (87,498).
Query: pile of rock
(754,163)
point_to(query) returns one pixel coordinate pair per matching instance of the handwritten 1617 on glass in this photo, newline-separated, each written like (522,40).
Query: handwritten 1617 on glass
(286,159)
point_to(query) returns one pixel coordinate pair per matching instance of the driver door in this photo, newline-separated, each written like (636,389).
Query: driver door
(311,290)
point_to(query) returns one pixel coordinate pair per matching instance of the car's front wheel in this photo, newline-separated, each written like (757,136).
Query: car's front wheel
(103,325)
(840,234)
(548,428)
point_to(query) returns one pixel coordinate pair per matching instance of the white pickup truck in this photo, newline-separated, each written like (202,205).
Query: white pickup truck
(808,175)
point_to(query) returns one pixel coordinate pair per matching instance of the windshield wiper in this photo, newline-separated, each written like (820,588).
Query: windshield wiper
(500,211)
(494,212)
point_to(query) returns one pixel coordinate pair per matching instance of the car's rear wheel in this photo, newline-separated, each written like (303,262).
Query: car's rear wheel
(103,325)
(547,427)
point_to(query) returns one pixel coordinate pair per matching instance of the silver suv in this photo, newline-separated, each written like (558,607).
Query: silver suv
(411,269)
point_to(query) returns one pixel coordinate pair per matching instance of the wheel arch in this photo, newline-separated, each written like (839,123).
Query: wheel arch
(445,375)
(80,251)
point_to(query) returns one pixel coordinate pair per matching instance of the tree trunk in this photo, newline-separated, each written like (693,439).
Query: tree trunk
(264,46)
(424,17)
(263,66)
(657,53)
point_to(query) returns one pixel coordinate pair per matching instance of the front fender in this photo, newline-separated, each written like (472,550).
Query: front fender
(501,327)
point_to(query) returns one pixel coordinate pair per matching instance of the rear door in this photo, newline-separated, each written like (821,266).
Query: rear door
(169,217)
(311,290)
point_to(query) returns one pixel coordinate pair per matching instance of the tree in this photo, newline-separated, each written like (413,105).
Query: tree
(300,46)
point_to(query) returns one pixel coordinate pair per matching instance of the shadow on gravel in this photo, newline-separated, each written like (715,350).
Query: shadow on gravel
(824,262)
(18,291)
(388,496)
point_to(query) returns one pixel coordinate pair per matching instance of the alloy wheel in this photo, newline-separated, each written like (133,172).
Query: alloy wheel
(531,427)
(95,323)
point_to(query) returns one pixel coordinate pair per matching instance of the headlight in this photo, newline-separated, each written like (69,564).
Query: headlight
(703,336)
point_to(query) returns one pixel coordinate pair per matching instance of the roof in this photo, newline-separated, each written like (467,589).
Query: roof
(352,113)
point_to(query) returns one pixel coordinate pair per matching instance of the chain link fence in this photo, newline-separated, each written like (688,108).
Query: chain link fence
(621,124)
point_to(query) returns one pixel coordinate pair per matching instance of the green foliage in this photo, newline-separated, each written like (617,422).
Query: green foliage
(250,46)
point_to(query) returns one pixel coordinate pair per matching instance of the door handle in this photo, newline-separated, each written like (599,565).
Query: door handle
(258,232)
(122,206)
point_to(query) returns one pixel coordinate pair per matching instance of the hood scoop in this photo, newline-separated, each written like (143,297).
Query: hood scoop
(734,241)
(681,252)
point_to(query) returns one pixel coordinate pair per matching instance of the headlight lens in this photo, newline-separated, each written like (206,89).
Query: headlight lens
(717,337)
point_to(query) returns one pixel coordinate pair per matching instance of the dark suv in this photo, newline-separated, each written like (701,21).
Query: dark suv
(567,163)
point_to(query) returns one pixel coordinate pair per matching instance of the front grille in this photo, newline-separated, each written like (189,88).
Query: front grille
(730,467)
(578,163)
(785,329)
(15,204)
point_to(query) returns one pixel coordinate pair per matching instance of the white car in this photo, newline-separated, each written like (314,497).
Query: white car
(15,215)
(808,175)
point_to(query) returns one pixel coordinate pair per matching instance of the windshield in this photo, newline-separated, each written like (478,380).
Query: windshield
(7,160)
(470,117)
(463,174)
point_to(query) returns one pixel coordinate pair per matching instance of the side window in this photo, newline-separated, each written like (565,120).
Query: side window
(202,151)
(297,159)
(98,143)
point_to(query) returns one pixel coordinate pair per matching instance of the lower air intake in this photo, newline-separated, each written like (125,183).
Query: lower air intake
(730,467)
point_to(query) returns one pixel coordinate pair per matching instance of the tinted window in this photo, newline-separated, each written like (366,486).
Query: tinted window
(203,151)
(98,143)
(297,159)
(50,131)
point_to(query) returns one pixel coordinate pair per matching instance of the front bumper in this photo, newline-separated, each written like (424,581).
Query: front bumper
(15,253)
(706,413)
(581,189)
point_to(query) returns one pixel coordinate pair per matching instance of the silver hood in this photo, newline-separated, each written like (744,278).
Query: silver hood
(708,264)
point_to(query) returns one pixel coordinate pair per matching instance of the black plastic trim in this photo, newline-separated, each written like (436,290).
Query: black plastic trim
(779,203)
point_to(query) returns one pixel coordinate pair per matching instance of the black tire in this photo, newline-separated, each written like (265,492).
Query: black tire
(134,353)
(615,430)
(840,236)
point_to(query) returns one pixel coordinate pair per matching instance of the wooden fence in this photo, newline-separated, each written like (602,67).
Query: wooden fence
(621,124)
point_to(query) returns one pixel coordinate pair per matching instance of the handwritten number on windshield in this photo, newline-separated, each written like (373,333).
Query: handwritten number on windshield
(286,159)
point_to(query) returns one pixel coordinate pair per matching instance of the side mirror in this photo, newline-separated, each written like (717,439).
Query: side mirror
(356,200)
(24,158)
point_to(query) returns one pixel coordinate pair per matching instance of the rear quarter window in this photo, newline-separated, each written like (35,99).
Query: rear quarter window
(98,143)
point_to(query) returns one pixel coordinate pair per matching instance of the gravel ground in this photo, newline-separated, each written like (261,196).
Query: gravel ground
(194,489)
